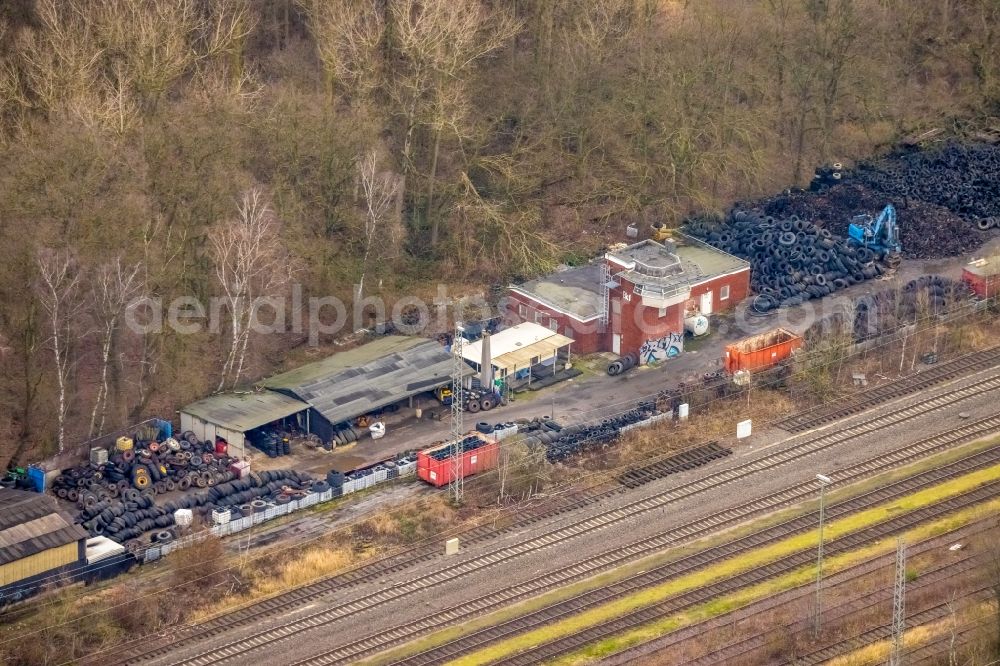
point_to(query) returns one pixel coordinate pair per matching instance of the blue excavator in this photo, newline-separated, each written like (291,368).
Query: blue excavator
(879,234)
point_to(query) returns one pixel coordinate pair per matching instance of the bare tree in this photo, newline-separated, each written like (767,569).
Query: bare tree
(59,59)
(348,34)
(115,285)
(439,41)
(379,192)
(58,293)
(249,264)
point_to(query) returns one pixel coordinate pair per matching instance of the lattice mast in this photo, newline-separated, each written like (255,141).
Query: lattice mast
(898,605)
(457,485)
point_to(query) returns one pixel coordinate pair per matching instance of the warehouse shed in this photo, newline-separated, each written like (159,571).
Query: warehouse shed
(38,543)
(387,371)
(232,415)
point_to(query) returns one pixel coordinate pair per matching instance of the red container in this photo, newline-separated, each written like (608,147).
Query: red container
(983,277)
(438,472)
(221,447)
(761,351)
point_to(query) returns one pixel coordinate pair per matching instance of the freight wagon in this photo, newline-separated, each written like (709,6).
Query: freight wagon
(436,465)
(761,351)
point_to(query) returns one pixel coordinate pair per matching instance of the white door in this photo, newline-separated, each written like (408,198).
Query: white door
(616,343)
(705,304)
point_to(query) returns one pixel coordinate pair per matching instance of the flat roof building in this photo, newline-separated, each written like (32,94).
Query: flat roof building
(634,299)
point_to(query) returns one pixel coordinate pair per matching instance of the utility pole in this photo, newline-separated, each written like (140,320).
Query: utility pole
(898,605)
(457,485)
(818,610)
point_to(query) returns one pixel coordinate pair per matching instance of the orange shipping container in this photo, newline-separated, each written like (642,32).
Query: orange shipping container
(435,465)
(761,351)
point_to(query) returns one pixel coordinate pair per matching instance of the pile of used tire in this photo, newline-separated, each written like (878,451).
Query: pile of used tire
(136,513)
(791,259)
(964,178)
(926,230)
(155,466)
(563,442)
(890,310)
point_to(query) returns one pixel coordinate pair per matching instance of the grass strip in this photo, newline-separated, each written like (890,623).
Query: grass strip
(802,576)
(728,568)
(672,554)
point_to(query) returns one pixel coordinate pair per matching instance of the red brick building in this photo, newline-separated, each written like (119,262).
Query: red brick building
(635,298)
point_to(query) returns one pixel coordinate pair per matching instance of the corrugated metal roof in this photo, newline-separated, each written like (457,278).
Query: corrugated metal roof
(31,523)
(241,412)
(355,382)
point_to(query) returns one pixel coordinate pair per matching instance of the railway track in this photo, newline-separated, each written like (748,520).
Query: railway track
(930,614)
(473,641)
(931,653)
(740,651)
(573,642)
(859,402)
(799,451)
(680,462)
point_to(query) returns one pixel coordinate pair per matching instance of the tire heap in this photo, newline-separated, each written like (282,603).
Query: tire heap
(156,467)
(561,443)
(135,513)
(965,179)
(926,230)
(889,310)
(792,260)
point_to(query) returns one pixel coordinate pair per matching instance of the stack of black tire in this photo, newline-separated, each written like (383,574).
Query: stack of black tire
(346,436)
(127,518)
(136,513)
(278,485)
(563,442)
(271,444)
(624,364)
(792,260)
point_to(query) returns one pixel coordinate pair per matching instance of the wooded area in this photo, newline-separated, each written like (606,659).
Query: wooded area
(228,148)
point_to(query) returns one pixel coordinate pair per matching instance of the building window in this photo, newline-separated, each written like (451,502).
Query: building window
(661,313)
(553,324)
(535,360)
(538,317)
(568,331)
(522,311)
(724,292)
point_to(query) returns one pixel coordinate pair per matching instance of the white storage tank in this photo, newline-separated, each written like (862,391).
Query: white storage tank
(696,324)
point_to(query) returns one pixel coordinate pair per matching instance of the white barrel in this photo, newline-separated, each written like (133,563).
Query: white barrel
(696,324)
(682,411)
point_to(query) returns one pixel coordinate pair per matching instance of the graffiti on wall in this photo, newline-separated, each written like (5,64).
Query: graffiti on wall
(669,346)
